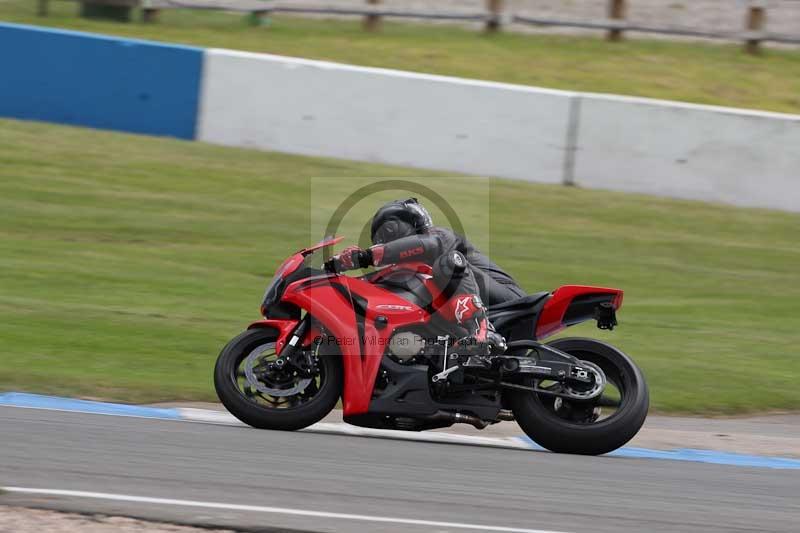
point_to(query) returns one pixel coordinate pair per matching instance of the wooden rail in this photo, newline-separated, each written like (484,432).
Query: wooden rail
(493,18)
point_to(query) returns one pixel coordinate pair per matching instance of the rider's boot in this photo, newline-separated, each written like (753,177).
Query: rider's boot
(474,350)
(483,340)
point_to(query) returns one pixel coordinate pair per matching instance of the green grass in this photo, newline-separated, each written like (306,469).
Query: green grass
(704,73)
(126,262)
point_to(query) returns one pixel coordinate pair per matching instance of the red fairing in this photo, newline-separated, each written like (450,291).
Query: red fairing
(283,327)
(551,319)
(327,299)
(321,244)
(290,265)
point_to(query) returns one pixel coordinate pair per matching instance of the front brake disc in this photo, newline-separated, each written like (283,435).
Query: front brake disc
(252,361)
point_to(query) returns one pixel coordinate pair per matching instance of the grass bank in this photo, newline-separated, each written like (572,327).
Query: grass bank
(126,262)
(694,72)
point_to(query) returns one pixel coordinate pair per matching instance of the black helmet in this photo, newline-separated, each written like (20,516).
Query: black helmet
(399,218)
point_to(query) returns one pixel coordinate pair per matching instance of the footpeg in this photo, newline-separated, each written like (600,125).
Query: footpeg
(444,373)
(444,340)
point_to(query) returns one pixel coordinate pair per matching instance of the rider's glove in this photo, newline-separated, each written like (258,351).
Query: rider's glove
(351,258)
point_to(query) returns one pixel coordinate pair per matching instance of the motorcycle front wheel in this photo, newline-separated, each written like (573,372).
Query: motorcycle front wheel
(591,427)
(266,397)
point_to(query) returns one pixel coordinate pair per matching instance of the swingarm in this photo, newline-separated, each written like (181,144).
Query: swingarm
(566,375)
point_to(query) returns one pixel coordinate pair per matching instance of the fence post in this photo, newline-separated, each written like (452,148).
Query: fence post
(617,10)
(149,15)
(259,17)
(372,22)
(495,9)
(755,21)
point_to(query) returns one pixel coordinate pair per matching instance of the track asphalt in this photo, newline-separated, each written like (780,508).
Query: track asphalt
(321,481)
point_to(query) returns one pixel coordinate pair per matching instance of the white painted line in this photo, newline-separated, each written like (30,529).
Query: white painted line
(66,410)
(430,436)
(273,510)
(208,416)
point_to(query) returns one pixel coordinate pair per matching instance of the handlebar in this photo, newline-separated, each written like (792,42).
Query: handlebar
(331,266)
(361,260)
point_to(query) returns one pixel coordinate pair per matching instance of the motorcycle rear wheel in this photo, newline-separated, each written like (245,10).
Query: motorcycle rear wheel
(576,428)
(286,412)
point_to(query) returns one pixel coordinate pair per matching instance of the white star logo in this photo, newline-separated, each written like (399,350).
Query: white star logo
(461,307)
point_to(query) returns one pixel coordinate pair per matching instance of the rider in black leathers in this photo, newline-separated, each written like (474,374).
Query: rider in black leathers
(403,231)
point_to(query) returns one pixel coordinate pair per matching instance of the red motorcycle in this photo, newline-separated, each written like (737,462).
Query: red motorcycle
(373,341)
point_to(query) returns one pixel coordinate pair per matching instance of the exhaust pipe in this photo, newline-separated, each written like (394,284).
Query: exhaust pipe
(505,414)
(458,418)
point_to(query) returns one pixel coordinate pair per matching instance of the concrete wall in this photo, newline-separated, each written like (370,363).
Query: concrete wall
(610,142)
(97,81)
(309,107)
(688,151)
(433,122)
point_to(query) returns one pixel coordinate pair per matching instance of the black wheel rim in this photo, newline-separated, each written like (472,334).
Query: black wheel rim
(273,389)
(616,397)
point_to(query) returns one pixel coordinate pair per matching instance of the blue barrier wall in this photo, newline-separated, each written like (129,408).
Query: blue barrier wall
(99,81)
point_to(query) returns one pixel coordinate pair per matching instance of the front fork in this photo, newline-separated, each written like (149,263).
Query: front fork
(293,355)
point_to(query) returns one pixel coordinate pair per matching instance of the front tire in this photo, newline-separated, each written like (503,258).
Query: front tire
(546,421)
(254,408)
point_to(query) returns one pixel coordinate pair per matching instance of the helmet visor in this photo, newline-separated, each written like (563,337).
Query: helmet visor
(391,230)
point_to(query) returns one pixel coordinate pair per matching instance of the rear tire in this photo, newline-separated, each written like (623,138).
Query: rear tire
(263,416)
(541,423)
